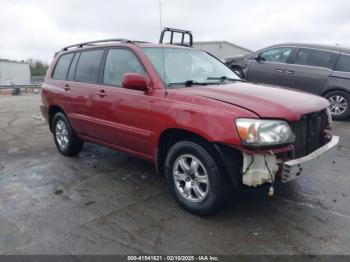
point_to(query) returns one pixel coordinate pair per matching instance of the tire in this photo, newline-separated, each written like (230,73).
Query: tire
(202,192)
(340,104)
(65,139)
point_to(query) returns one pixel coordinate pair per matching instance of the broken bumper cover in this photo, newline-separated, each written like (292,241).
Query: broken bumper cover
(305,165)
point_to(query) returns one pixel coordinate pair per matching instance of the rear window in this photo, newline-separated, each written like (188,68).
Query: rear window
(62,66)
(88,67)
(313,57)
(343,63)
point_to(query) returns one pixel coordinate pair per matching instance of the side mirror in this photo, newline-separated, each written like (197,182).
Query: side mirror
(135,81)
(259,58)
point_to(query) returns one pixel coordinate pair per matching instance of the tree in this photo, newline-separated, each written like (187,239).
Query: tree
(37,67)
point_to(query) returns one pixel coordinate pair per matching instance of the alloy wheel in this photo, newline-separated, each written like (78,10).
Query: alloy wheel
(61,133)
(191,178)
(339,104)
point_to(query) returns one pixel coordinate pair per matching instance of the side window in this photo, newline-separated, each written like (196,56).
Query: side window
(279,54)
(73,67)
(88,67)
(313,57)
(62,66)
(118,62)
(343,63)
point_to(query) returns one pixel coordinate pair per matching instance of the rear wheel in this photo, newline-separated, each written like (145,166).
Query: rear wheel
(194,178)
(65,139)
(340,104)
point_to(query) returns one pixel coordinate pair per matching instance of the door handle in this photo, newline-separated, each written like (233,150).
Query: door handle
(289,72)
(279,70)
(66,87)
(101,93)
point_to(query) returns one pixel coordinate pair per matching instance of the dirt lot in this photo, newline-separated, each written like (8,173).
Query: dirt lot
(105,202)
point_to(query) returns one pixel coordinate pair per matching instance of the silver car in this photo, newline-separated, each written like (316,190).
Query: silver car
(319,69)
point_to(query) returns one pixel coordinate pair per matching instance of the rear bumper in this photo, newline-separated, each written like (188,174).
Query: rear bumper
(44,112)
(307,164)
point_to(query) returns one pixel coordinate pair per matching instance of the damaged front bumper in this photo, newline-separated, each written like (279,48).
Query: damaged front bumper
(263,167)
(307,164)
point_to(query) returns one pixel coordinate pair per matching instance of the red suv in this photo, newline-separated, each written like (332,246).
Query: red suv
(202,126)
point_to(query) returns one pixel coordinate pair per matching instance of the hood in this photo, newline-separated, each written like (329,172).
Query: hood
(234,58)
(265,101)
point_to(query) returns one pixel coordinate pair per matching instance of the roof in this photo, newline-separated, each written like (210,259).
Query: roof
(121,44)
(222,42)
(334,48)
(115,43)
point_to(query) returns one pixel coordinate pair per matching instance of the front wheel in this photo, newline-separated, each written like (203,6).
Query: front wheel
(340,104)
(194,178)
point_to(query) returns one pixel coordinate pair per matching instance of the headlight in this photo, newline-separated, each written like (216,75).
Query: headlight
(256,132)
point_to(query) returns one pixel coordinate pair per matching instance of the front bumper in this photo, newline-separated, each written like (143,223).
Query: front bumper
(305,165)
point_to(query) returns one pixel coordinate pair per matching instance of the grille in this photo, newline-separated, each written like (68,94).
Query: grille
(309,133)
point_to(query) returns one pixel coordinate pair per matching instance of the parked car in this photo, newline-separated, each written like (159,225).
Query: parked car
(318,69)
(204,128)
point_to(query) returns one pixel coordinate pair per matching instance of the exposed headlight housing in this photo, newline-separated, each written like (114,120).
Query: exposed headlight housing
(258,132)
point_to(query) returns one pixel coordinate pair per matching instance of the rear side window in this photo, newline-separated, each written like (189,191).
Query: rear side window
(313,57)
(118,62)
(88,67)
(343,63)
(62,66)
(73,67)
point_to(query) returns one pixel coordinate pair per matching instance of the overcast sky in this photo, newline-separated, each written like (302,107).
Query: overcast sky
(38,28)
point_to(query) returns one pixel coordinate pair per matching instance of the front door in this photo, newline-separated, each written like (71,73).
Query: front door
(268,68)
(122,115)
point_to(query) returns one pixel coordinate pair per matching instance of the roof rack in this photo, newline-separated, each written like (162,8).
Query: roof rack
(179,31)
(92,43)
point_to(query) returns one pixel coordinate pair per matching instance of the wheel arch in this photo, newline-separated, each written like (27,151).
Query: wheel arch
(53,110)
(168,138)
(221,153)
(335,89)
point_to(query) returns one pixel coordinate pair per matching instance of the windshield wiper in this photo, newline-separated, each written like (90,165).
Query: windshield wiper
(225,78)
(189,83)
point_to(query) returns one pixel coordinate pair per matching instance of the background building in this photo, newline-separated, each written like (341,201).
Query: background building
(14,72)
(221,49)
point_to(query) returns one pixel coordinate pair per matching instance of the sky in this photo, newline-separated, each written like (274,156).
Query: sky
(38,28)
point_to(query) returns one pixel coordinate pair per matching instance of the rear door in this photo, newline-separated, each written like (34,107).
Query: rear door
(75,98)
(270,67)
(122,115)
(83,76)
(309,69)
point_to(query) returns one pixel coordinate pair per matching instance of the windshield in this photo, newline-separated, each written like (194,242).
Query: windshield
(180,67)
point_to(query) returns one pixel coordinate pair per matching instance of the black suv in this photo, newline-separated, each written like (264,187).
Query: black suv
(319,69)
